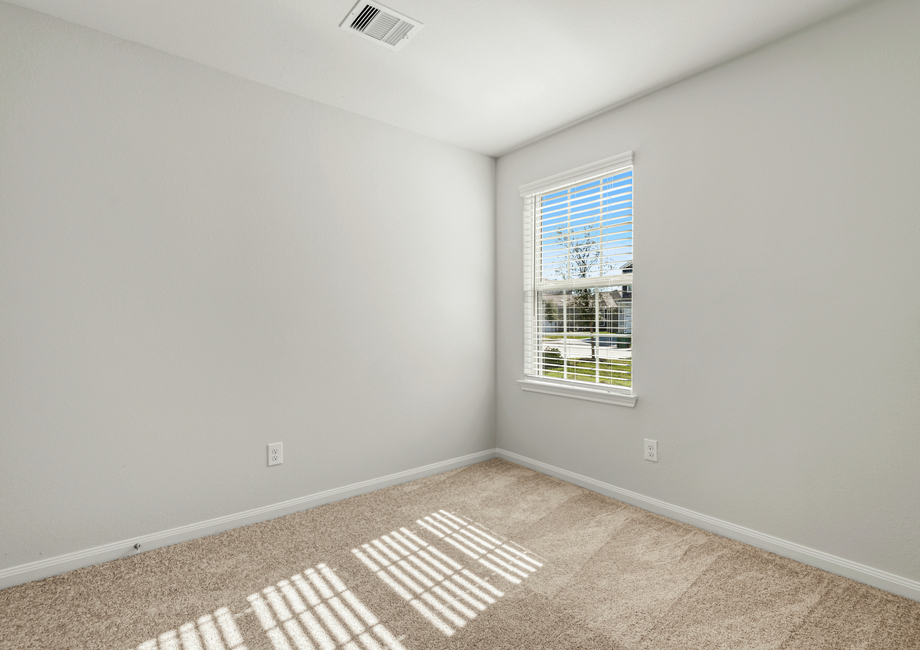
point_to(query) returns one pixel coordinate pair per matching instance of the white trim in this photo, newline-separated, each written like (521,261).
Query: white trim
(618,280)
(53,566)
(620,398)
(577,174)
(840,566)
(860,572)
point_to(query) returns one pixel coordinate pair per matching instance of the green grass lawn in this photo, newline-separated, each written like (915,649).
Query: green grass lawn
(616,372)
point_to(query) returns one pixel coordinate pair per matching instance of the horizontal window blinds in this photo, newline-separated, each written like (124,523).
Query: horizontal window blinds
(578,274)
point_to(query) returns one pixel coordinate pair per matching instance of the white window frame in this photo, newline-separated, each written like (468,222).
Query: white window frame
(618,395)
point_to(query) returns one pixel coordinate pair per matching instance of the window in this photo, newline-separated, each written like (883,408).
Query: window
(578,282)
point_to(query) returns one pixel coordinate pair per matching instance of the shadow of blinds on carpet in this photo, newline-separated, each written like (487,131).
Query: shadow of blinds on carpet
(217,631)
(313,610)
(436,585)
(316,610)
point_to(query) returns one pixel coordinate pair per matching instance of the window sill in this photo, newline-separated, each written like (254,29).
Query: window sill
(612,396)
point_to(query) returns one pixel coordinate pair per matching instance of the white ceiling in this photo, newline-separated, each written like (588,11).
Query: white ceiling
(487,75)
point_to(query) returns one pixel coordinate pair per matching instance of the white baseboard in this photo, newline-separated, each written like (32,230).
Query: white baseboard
(55,565)
(859,572)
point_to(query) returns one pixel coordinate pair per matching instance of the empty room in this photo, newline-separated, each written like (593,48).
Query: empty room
(319,325)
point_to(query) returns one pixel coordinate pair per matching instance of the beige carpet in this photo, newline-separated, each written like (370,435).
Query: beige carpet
(489,556)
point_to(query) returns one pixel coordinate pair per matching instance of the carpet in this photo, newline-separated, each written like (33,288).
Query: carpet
(488,556)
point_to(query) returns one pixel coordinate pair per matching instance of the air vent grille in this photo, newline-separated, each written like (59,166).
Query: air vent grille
(398,33)
(380,24)
(367,15)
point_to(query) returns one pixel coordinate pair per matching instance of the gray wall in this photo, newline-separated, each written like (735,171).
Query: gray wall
(777,304)
(192,266)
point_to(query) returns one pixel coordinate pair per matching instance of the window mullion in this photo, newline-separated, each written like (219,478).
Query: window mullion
(565,335)
(597,338)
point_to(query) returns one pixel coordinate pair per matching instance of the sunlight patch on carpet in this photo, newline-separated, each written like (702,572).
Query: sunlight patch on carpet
(315,610)
(435,584)
(216,631)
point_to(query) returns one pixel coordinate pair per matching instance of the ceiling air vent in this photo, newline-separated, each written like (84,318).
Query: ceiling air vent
(380,24)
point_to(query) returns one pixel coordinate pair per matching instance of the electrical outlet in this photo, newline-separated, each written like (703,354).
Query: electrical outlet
(275,453)
(651,450)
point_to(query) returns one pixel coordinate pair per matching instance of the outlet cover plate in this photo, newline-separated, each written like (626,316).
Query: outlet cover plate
(275,453)
(651,450)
